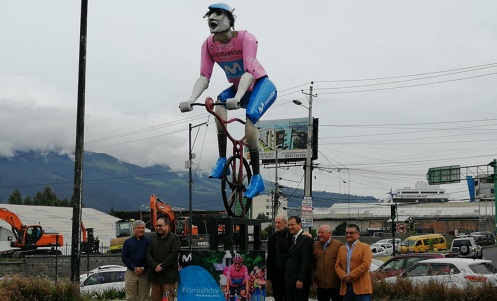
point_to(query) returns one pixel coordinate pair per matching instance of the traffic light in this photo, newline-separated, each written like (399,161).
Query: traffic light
(393,212)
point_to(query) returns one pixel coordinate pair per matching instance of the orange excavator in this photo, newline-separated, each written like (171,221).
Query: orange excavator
(124,228)
(160,209)
(29,238)
(89,244)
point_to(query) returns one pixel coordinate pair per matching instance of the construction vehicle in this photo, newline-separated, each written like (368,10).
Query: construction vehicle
(89,244)
(29,239)
(124,228)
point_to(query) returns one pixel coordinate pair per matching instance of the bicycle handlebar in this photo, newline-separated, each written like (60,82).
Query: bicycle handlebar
(209,106)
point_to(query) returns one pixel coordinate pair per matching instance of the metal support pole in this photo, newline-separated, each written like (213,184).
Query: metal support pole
(494,164)
(190,184)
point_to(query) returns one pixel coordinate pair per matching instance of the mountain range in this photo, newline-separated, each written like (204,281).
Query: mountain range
(111,184)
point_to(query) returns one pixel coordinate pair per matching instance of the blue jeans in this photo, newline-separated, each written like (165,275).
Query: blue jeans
(351,296)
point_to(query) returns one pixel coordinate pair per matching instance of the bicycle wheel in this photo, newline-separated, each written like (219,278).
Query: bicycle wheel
(234,182)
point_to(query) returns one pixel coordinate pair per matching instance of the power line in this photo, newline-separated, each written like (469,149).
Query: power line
(491,65)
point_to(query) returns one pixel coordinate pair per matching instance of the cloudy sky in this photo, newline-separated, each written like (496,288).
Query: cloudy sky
(401,86)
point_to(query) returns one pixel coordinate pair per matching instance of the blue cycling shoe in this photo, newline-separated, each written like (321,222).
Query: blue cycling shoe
(255,187)
(218,169)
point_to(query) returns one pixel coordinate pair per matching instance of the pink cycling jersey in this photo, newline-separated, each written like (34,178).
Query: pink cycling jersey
(237,277)
(236,57)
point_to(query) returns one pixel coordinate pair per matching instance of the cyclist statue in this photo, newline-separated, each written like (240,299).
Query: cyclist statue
(235,52)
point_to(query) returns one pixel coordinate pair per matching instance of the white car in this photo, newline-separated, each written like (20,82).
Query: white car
(389,240)
(378,251)
(387,247)
(453,272)
(101,279)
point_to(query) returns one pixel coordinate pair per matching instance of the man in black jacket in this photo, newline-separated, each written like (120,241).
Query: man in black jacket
(298,262)
(162,258)
(277,247)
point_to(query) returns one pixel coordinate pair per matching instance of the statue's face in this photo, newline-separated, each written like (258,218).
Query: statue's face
(218,22)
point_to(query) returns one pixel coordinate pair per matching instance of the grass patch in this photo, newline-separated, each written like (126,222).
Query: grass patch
(108,295)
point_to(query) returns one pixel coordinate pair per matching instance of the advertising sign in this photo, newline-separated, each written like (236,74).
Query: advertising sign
(288,136)
(307,215)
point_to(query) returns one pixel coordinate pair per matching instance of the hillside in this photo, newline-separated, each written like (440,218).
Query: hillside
(111,183)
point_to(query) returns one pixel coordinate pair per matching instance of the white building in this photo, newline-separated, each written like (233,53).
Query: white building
(264,204)
(421,193)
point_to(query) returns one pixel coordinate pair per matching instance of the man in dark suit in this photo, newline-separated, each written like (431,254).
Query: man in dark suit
(298,262)
(277,248)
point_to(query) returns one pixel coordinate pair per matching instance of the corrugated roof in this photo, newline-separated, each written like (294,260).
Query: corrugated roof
(59,220)
(370,210)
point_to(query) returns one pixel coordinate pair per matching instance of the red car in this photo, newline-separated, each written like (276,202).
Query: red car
(398,264)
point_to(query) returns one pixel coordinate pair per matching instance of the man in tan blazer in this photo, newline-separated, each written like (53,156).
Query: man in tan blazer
(325,279)
(352,266)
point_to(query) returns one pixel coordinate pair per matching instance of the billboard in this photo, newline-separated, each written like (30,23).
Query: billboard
(289,137)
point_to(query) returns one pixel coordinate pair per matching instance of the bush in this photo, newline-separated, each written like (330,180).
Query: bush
(404,290)
(19,288)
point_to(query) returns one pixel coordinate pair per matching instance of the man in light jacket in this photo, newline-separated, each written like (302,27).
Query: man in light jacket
(353,262)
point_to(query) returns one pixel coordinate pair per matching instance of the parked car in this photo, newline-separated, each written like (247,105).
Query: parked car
(466,247)
(375,264)
(387,247)
(424,243)
(398,264)
(453,272)
(490,236)
(480,239)
(102,279)
(378,251)
(389,240)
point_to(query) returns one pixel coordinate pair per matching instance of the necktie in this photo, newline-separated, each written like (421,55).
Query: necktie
(293,240)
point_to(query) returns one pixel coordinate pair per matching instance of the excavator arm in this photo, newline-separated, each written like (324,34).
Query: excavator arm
(159,207)
(13,220)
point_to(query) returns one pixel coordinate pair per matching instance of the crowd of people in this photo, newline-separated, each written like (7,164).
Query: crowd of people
(294,263)
(337,271)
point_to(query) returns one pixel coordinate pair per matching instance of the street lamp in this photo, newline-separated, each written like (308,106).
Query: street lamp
(189,164)
(348,190)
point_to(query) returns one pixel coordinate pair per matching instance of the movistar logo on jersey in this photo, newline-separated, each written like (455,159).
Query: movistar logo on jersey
(232,69)
(266,102)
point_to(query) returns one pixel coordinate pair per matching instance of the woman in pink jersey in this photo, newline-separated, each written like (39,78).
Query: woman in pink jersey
(236,53)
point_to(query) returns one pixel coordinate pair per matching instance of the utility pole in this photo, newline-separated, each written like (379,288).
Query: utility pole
(308,161)
(276,194)
(189,164)
(79,151)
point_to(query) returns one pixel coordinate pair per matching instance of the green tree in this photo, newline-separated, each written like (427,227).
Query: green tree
(28,201)
(15,198)
(262,216)
(340,229)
